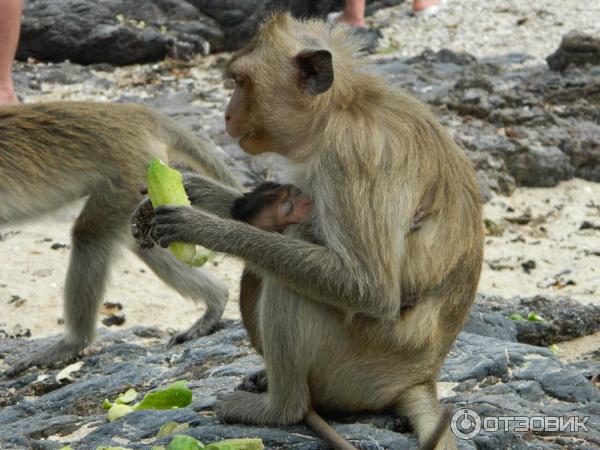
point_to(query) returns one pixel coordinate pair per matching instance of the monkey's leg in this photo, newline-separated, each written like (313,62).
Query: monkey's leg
(284,344)
(249,291)
(94,235)
(421,406)
(249,297)
(192,283)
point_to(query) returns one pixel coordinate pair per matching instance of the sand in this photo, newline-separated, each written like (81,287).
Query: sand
(32,275)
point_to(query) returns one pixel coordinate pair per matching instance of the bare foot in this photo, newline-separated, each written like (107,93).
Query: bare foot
(8,96)
(426,7)
(353,21)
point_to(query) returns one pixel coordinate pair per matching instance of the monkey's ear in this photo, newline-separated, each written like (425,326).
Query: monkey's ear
(316,70)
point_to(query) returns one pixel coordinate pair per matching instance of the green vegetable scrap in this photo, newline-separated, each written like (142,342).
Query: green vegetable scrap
(184,442)
(170,428)
(177,395)
(553,348)
(516,316)
(118,410)
(127,397)
(533,317)
(237,444)
(165,187)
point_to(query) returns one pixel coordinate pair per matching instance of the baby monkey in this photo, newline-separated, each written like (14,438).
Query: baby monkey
(272,206)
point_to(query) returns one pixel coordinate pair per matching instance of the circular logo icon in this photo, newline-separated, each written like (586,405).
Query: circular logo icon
(465,424)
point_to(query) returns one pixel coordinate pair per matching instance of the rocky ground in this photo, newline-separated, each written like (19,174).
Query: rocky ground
(532,133)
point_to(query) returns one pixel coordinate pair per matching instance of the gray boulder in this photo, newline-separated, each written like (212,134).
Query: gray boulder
(576,48)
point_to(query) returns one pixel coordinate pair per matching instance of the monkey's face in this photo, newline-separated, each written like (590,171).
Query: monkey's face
(281,208)
(292,207)
(239,112)
(271,108)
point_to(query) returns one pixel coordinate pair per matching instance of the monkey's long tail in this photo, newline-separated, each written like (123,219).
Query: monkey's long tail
(326,432)
(440,429)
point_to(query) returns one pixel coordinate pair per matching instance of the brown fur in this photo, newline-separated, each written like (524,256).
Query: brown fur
(329,315)
(55,153)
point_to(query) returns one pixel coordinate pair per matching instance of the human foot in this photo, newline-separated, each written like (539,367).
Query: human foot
(346,19)
(424,8)
(369,36)
(8,96)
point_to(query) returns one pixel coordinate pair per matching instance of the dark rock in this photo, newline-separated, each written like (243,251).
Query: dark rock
(90,32)
(491,324)
(541,167)
(239,19)
(113,320)
(564,318)
(137,31)
(587,225)
(576,48)
(528,265)
(495,377)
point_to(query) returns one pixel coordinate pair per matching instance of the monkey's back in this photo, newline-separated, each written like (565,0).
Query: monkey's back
(70,148)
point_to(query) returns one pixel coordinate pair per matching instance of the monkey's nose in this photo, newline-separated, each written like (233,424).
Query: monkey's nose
(227,117)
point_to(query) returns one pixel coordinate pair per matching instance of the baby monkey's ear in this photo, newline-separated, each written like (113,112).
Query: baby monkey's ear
(316,70)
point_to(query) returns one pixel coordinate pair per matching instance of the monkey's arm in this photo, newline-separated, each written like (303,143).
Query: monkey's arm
(314,270)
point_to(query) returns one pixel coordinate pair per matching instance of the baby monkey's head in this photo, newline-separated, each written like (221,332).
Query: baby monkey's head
(272,206)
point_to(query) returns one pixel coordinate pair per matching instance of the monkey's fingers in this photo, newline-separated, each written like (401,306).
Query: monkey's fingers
(141,223)
(169,214)
(163,235)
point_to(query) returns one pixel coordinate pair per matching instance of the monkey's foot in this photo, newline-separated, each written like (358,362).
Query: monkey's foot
(203,327)
(256,409)
(62,352)
(244,407)
(255,382)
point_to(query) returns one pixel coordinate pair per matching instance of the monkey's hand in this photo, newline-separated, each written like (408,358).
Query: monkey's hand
(174,224)
(209,195)
(141,221)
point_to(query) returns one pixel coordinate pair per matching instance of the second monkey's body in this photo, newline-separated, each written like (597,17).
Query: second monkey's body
(54,153)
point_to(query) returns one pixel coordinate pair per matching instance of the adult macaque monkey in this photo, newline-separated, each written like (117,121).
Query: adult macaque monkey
(55,153)
(331,322)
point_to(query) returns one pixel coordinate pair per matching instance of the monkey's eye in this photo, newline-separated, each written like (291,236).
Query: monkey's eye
(286,208)
(239,81)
